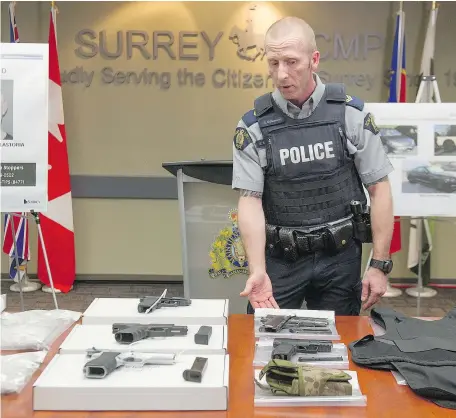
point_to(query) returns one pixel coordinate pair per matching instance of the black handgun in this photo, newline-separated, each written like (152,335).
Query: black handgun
(130,333)
(286,348)
(151,303)
(277,323)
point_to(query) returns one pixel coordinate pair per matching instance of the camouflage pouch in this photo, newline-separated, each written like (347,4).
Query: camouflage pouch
(285,377)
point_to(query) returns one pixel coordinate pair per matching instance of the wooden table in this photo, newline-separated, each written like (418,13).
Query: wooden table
(385,398)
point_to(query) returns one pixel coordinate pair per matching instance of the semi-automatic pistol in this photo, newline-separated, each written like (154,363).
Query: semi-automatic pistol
(130,333)
(152,303)
(103,363)
(286,348)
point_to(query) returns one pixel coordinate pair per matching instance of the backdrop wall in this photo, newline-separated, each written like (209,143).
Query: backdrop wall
(151,82)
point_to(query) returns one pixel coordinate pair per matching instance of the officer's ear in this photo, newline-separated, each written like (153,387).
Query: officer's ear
(315,60)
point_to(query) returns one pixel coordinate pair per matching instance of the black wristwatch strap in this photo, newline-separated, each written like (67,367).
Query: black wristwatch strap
(384,265)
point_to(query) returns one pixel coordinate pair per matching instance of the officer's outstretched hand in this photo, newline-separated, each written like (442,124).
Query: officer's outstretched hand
(258,289)
(374,287)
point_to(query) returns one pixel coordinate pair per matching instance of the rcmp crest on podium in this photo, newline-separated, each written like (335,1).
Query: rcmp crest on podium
(227,253)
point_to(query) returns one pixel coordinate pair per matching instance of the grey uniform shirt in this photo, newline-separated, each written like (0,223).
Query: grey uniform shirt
(370,157)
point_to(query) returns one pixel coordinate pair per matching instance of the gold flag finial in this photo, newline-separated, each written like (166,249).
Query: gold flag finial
(53,6)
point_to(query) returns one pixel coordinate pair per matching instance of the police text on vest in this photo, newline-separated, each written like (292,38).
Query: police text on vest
(306,153)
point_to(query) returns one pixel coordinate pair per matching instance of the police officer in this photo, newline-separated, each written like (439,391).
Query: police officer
(300,157)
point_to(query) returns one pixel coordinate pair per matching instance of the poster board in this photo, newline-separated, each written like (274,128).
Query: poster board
(24,127)
(420,140)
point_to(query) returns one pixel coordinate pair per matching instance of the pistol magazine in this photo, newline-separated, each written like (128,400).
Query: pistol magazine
(195,374)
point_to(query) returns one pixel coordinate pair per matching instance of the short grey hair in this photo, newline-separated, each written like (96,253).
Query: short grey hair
(292,25)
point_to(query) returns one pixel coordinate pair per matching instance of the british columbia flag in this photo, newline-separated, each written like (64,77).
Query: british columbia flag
(20,223)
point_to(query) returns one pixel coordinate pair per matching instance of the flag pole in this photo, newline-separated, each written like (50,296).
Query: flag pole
(43,247)
(22,284)
(400,42)
(16,257)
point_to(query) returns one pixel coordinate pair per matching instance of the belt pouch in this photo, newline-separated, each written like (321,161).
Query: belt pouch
(288,242)
(339,235)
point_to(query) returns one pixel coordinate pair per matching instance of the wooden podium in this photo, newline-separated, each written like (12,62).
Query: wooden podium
(214,262)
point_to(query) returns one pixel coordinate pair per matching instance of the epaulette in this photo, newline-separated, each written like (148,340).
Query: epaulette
(249,118)
(355,102)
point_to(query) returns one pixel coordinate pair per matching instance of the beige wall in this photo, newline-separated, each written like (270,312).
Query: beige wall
(131,129)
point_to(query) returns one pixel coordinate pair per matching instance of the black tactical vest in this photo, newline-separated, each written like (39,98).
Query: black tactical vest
(310,177)
(424,352)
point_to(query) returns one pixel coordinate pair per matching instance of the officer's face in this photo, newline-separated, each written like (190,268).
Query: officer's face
(291,65)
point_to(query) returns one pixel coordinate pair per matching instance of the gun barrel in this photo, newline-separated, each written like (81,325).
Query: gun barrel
(118,326)
(311,330)
(317,358)
(308,322)
(102,366)
(294,341)
(167,330)
(140,359)
(147,301)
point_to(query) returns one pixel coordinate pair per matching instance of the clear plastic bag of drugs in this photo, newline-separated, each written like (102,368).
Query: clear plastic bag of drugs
(34,329)
(17,370)
(316,353)
(264,397)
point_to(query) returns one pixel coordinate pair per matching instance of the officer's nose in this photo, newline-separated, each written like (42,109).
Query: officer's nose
(282,73)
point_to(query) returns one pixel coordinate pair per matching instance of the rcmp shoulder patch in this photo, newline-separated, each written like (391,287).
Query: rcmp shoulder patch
(369,124)
(249,118)
(354,102)
(241,138)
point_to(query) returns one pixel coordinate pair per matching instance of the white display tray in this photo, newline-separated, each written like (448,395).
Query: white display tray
(200,312)
(63,387)
(265,398)
(83,337)
(264,347)
(329,315)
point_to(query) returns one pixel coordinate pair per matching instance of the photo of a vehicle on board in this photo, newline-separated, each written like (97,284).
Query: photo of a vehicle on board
(445,140)
(399,140)
(421,176)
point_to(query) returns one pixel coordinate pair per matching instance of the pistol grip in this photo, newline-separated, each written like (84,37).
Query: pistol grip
(100,367)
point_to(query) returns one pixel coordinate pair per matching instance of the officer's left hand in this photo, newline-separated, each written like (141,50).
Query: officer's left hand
(374,287)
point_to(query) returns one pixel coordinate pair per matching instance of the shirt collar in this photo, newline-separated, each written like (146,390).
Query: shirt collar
(307,108)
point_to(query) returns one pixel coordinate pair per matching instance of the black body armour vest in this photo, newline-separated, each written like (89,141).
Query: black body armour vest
(310,177)
(424,352)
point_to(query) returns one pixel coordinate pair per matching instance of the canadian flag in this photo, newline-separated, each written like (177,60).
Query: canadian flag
(57,222)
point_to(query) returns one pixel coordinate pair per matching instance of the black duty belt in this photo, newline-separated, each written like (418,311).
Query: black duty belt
(290,243)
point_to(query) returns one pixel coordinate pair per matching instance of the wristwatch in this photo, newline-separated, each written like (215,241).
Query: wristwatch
(384,265)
